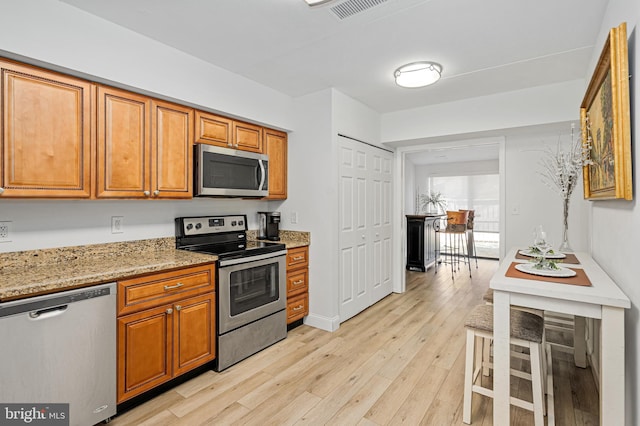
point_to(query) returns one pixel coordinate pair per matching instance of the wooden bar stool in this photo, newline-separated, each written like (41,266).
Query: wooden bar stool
(527,331)
(455,238)
(471,238)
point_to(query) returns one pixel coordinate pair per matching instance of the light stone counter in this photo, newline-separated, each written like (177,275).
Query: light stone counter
(292,239)
(34,272)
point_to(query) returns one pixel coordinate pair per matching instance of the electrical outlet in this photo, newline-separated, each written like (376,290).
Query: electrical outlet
(5,232)
(294,217)
(117,224)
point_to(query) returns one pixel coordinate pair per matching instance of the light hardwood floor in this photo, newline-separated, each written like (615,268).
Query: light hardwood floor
(399,362)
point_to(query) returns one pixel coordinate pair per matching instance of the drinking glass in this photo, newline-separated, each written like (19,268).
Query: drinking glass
(542,243)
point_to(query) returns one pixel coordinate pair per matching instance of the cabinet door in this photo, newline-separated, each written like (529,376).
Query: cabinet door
(247,137)
(46,133)
(194,332)
(213,129)
(144,348)
(124,158)
(171,152)
(276,149)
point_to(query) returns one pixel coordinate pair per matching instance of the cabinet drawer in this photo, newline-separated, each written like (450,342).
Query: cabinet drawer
(297,258)
(156,289)
(297,282)
(297,307)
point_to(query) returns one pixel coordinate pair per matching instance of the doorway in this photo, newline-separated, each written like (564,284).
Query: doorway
(453,158)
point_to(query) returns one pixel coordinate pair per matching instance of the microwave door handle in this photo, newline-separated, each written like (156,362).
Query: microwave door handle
(261,174)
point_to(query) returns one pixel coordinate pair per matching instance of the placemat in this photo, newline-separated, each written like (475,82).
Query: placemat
(571,258)
(579,279)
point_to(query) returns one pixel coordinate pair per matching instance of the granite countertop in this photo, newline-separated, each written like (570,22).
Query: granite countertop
(34,272)
(291,239)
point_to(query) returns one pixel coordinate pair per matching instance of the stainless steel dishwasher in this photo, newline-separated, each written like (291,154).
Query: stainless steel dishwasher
(61,348)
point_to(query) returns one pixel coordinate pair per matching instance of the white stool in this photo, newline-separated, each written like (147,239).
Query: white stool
(526,331)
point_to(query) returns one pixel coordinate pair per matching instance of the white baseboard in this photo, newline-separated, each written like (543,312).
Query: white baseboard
(323,323)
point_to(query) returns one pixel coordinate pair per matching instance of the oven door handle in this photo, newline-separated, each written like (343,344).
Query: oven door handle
(247,259)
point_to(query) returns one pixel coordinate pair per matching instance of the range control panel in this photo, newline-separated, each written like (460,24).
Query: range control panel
(211,224)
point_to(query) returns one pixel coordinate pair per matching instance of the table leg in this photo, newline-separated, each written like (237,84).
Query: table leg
(612,388)
(501,357)
(579,343)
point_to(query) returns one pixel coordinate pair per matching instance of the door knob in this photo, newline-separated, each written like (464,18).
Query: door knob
(169,311)
(156,193)
(146,193)
(178,307)
(1,190)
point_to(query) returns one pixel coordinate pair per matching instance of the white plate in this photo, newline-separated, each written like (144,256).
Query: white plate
(561,272)
(548,256)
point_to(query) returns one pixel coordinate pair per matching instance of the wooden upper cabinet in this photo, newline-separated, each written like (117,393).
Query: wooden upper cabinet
(221,131)
(144,147)
(276,149)
(46,134)
(172,156)
(213,129)
(247,137)
(124,157)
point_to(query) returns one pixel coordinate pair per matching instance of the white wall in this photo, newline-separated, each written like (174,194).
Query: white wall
(312,195)
(410,187)
(313,189)
(37,224)
(530,203)
(615,225)
(527,107)
(66,38)
(61,37)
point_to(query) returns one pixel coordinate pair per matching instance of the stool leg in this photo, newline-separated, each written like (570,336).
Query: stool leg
(536,384)
(466,245)
(451,242)
(486,356)
(468,377)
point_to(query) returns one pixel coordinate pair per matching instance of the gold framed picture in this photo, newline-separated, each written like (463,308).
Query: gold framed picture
(605,118)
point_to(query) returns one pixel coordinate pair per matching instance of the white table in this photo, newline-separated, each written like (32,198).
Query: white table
(603,300)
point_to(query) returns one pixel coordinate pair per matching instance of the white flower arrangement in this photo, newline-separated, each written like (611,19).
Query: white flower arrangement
(561,169)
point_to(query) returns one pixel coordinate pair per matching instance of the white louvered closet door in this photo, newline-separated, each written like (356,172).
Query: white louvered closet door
(365,226)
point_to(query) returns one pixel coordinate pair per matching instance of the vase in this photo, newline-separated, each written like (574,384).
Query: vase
(564,246)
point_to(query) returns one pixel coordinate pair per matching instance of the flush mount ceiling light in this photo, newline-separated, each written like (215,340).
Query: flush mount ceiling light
(418,74)
(313,3)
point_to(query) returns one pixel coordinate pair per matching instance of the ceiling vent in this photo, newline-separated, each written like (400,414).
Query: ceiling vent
(349,8)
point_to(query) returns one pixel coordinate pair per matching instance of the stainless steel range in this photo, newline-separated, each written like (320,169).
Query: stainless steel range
(251,284)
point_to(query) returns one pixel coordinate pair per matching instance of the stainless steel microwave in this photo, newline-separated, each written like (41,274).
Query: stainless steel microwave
(224,172)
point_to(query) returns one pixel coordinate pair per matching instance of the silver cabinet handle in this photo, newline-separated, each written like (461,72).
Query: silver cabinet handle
(178,307)
(156,193)
(298,282)
(146,193)
(1,190)
(169,311)
(298,258)
(172,287)
(297,308)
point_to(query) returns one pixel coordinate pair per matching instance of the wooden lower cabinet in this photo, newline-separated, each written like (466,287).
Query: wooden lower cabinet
(297,283)
(160,343)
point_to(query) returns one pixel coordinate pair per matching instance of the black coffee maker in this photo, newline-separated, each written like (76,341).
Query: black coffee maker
(269,226)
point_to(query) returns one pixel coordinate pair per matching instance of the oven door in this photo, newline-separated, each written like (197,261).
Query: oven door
(250,288)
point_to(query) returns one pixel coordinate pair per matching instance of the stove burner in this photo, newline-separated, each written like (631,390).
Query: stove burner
(224,236)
